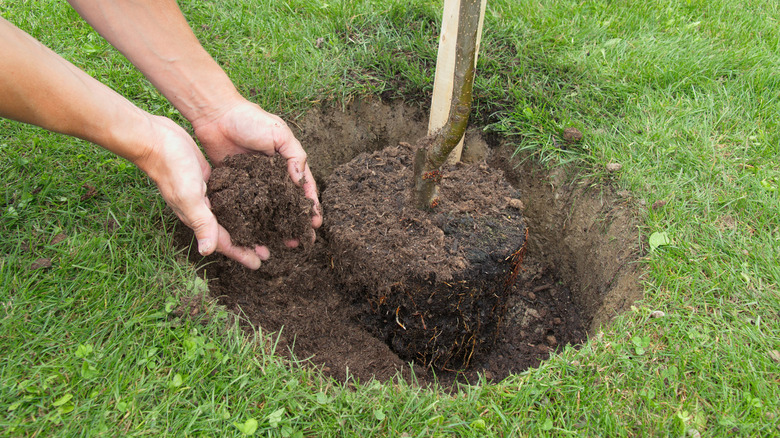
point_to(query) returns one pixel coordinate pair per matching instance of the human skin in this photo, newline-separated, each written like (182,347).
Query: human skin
(39,87)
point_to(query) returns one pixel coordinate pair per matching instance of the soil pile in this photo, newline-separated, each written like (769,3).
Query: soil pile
(385,284)
(577,274)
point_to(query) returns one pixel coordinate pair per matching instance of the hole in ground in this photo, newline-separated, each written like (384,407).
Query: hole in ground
(577,274)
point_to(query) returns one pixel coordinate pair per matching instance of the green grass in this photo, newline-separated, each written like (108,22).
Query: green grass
(685,95)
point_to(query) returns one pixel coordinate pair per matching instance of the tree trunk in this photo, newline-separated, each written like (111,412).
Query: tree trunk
(445,71)
(433,153)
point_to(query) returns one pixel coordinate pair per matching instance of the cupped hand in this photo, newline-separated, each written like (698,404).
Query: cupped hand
(180,170)
(243,127)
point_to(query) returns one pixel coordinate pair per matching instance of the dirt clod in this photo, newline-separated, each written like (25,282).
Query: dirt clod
(58,238)
(41,263)
(572,135)
(658,204)
(255,200)
(90,193)
(516,204)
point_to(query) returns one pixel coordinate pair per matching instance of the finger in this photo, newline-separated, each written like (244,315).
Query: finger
(310,191)
(245,256)
(297,166)
(262,252)
(207,201)
(290,148)
(301,175)
(297,171)
(213,237)
(205,168)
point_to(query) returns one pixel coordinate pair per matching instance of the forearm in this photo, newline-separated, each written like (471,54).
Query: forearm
(39,87)
(155,37)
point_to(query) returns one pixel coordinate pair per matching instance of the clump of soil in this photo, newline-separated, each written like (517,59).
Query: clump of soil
(253,197)
(434,283)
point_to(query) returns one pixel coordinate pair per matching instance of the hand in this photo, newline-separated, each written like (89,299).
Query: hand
(180,171)
(244,127)
(155,37)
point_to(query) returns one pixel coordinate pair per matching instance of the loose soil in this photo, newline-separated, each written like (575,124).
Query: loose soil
(576,275)
(257,203)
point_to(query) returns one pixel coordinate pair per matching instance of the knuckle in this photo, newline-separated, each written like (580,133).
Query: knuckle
(199,224)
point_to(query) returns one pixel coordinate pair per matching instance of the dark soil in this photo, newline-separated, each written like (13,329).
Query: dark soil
(257,203)
(433,284)
(577,273)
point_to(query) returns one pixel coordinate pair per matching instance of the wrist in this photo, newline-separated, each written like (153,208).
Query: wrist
(195,84)
(130,136)
(156,38)
(205,104)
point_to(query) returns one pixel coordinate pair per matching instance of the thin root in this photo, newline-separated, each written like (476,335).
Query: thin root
(398,321)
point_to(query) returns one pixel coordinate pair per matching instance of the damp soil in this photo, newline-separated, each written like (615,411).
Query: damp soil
(432,283)
(576,274)
(258,203)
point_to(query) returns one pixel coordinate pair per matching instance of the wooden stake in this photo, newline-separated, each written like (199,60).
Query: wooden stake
(445,70)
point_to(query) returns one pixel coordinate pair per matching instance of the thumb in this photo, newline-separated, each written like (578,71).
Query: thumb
(204,224)
(211,236)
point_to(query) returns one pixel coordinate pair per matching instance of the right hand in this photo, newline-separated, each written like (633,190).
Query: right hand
(243,127)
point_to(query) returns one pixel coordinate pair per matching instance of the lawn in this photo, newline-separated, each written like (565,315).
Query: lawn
(95,334)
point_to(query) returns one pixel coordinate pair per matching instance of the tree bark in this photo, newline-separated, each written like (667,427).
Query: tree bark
(433,153)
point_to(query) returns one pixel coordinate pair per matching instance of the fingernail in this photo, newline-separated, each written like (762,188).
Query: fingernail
(254,264)
(204,247)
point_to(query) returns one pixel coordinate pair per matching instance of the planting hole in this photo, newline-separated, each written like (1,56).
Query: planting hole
(576,273)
